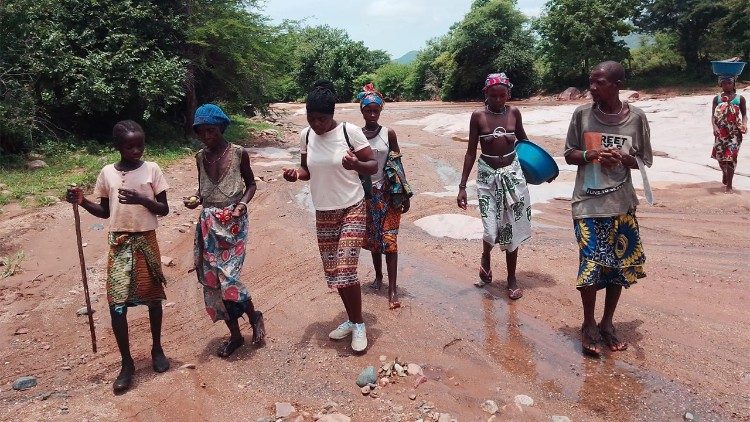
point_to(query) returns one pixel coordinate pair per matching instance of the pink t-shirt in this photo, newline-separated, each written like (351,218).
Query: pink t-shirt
(148,180)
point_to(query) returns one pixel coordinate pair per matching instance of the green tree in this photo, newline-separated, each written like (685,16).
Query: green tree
(328,53)
(91,62)
(233,54)
(392,79)
(689,20)
(492,37)
(735,27)
(577,34)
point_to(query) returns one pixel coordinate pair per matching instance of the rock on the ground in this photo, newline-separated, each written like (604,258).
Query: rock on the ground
(24,383)
(444,417)
(187,366)
(366,390)
(330,406)
(557,418)
(490,407)
(413,369)
(34,156)
(383,358)
(523,400)
(283,410)
(571,93)
(399,370)
(21,331)
(384,381)
(334,417)
(367,376)
(689,416)
(35,165)
(412,396)
(265,419)
(167,261)
(84,311)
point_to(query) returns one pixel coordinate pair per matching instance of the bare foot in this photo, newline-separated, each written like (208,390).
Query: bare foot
(377,283)
(229,346)
(728,190)
(393,302)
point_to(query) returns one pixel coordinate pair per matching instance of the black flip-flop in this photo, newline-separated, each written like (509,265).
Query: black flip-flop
(588,343)
(229,346)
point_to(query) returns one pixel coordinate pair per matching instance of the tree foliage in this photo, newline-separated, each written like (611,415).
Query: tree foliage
(577,34)
(232,53)
(492,37)
(689,20)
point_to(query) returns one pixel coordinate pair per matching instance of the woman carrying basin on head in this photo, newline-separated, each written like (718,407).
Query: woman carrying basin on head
(503,195)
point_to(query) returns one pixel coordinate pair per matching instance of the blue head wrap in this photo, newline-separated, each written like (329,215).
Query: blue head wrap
(369,96)
(210,114)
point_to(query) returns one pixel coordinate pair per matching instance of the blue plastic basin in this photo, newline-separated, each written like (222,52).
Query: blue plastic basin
(727,68)
(537,165)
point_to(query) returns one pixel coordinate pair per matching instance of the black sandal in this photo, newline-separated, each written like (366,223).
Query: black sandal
(611,340)
(591,344)
(124,379)
(259,328)
(159,362)
(229,346)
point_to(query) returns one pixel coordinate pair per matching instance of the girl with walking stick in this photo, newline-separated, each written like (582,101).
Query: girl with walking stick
(134,275)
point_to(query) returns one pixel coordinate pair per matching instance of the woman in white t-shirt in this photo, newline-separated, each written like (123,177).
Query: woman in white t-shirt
(333,156)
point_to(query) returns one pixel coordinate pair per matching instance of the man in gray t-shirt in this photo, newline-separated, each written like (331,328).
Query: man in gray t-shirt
(604,139)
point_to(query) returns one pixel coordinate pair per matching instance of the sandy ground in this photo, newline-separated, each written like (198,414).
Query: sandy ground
(685,322)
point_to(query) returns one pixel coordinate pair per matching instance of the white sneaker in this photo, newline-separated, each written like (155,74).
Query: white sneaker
(342,331)
(359,337)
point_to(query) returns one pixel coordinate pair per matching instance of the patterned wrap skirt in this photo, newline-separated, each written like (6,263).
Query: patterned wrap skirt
(341,234)
(383,221)
(134,275)
(218,256)
(611,252)
(504,204)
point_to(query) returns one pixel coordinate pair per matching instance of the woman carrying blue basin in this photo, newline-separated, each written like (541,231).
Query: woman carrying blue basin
(504,201)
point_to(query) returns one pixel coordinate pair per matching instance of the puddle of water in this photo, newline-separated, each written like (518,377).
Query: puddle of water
(454,226)
(545,357)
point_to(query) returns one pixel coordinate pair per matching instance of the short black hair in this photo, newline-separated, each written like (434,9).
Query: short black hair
(321,98)
(614,70)
(124,127)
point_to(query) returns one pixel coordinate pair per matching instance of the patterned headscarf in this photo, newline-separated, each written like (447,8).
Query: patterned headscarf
(723,78)
(496,79)
(369,95)
(210,114)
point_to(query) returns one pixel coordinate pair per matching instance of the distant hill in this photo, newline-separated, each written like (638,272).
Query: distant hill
(407,58)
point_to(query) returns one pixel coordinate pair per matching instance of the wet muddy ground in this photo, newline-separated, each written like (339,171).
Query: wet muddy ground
(686,322)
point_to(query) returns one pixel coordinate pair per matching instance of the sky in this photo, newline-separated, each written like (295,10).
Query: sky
(396,26)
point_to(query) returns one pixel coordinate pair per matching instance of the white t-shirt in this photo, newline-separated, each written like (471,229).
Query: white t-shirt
(148,180)
(332,187)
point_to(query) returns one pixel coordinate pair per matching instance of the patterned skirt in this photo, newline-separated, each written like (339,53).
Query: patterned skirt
(134,275)
(383,220)
(218,257)
(611,252)
(504,204)
(340,237)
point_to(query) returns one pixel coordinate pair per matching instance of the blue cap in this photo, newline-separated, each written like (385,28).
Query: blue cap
(210,114)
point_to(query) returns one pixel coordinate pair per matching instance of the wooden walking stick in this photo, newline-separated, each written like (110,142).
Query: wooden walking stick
(82,261)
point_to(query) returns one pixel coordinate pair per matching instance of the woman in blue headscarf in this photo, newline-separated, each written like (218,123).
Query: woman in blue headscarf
(387,202)
(225,186)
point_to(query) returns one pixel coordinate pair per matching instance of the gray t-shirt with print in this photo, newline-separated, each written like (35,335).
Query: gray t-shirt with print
(601,192)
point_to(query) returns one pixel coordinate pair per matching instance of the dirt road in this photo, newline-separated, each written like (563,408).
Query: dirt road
(685,322)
